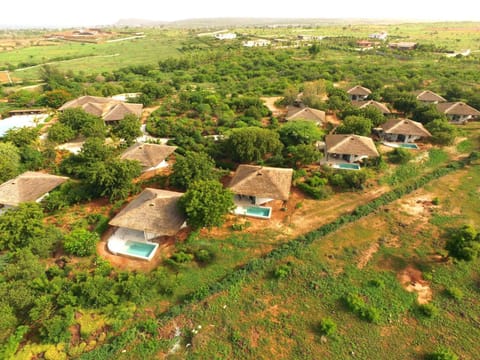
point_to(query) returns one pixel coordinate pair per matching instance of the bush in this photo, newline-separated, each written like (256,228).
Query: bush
(358,306)
(315,192)
(428,310)
(182,257)
(204,256)
(283,271)
(442,354)
(399,156)
(454,293)
(80,242)
(327,327)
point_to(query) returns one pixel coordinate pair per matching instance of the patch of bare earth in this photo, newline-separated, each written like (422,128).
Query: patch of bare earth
(412,281)
(270,104)
(367,255)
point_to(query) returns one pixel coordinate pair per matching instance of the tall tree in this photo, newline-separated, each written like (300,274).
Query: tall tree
(357,125)
(192,167)
(253,143)
(206,203)
(9,161)
(300,132)
(128,129)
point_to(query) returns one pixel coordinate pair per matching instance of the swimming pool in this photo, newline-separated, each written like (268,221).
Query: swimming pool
(141,250)
(19,121)
(262,212)
(346,166)
(402,145)
(136,249)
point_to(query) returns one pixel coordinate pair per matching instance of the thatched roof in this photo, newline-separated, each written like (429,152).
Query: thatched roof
(154,211)
(149,155)
(350,145)
(405,127)
(359,90)
(262,181)
(429,96)
(457,108)
(305,113)
(107,108)
(363,104)
(118,111)
(28,186)
(82,100)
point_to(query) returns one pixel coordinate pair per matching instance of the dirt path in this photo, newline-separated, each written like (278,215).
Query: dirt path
(270,104)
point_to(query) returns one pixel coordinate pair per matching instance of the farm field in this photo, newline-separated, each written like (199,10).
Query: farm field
(355,264)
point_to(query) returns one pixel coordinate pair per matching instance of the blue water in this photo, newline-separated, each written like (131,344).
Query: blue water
(408,146)
(348,166)
(258,211)
(139,249)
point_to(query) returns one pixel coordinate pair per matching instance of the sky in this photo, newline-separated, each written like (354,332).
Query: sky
(70,13)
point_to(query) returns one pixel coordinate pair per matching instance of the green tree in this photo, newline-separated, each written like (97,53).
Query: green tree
(80,242)
(303,154)
(357,125)
(8,321)
(300,132)
(55,98)
(112,178)
(23,98)
(20,225)
(463,243)
(206,203)
(23,136)
(192,167)
(128,129)
(61,133)
(253,144)
(443,133)
(405,103)
(9,161)
(427,113)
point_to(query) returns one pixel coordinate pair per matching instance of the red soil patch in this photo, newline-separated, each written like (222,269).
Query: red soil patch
(412,281)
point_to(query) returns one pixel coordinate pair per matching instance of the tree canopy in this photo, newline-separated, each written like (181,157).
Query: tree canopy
(192,167)
(300,132)
(9,161)
(253,143)
(206,203)
(357,125)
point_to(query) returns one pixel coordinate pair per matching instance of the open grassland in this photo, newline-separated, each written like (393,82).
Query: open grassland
(268,317)
(96,58)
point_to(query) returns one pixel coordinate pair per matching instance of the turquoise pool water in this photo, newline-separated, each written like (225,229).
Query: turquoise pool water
(408,146)
(347,166)
(257,211)
(139,249)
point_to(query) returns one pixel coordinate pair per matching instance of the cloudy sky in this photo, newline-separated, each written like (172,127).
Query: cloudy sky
(104,12)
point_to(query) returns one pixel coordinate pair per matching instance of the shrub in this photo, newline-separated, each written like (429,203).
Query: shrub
(454,293)
(80,242)
(182,257)
(283,271)
(399,156)
(358,306)
(435,201)
(442,354)
(327,327)
(204,256)
(428,310)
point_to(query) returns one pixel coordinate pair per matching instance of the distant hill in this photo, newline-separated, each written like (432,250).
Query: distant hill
(239,22)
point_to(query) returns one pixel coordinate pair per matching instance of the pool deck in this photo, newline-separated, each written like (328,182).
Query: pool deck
(242,205)
(117,243)
(412,146)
